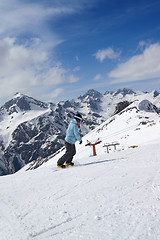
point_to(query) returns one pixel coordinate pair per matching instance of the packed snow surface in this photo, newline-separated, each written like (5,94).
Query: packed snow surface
(111,196)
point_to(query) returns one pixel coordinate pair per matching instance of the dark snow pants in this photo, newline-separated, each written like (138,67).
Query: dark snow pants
(68,156)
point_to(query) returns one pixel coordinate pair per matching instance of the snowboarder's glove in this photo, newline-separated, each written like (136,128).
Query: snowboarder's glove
(80,142)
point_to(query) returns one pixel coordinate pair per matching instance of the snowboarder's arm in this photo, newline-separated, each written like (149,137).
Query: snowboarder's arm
(76,133)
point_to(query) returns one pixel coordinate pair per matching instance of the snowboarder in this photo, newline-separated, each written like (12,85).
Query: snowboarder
(72,135)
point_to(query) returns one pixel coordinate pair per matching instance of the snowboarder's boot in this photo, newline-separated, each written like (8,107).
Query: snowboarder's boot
(69,164)
(61,165)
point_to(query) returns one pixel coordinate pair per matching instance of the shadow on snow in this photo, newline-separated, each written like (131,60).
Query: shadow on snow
(98,162)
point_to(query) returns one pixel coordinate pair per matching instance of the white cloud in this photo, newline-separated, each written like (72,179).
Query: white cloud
(25,16)
(31,18)
(102,54)
(140,67)
(141,45)
(53,76)
(18,17)
(76,69)
(56,93)
(18,66)
(73,79)
(97,77)
(23,67)
(27,42)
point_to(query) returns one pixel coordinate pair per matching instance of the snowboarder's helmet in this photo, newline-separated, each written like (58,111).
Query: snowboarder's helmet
(78,117)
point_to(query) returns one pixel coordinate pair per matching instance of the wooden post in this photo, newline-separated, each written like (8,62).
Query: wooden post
(94,150)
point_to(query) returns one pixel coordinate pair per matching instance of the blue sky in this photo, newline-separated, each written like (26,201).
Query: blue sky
(58,49)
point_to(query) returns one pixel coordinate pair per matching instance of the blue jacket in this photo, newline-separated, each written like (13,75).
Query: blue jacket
(72,134)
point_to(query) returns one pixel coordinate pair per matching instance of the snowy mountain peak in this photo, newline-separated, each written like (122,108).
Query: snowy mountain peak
(22,102)
(92,93)
(108,92)
(17,95)
(147,106)
(155,93)
(124,92)
(92,98)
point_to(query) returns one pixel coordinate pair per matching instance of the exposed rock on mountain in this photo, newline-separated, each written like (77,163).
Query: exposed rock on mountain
(120,106)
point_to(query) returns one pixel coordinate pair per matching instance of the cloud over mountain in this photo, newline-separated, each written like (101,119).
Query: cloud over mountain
(140,67)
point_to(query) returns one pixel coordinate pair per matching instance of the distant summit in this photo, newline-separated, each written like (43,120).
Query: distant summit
(124,92)
(155,93)
(22,102)
(92,98)
(91,93)
(147,106)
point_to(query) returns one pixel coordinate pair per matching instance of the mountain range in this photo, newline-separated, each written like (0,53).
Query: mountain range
(32,131)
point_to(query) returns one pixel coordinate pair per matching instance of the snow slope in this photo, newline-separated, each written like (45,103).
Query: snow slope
(113,196)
